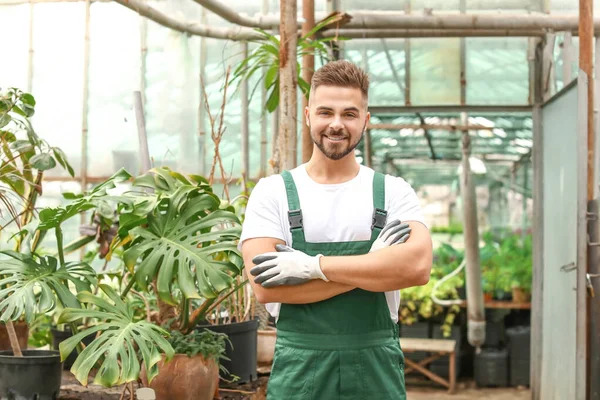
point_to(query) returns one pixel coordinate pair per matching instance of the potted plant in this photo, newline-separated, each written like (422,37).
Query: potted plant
(521,271)
(513,262)
(179,244)
(29,284)
(193,373)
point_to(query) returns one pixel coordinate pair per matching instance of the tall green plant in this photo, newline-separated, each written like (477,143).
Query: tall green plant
(266,56)
(179,241)
(24,157)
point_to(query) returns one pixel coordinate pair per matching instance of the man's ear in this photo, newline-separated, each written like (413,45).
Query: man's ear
(306,115)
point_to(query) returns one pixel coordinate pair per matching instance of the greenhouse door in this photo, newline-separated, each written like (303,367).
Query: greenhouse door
(564,178)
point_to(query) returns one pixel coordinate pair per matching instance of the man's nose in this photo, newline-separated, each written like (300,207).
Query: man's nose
(336,123)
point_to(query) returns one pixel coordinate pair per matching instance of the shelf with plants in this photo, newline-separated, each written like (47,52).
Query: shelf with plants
(506,262)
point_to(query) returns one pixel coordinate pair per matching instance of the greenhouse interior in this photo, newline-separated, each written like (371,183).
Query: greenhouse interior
(134,134)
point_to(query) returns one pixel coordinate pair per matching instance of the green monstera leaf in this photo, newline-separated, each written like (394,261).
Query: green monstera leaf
(119,337)
(190,241)
(30,286)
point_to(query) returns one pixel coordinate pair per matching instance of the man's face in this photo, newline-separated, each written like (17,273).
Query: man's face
(337,117)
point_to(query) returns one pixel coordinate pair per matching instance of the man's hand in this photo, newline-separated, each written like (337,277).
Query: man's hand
(393,233)
(286,267)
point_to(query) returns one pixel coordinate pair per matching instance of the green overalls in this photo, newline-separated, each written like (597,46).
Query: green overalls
(343,348)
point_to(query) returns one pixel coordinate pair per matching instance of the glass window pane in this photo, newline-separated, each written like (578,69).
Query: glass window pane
(386,59)
(14,24)
(172,97)
(497,71)
(435,71)
(114,75)
(58,59)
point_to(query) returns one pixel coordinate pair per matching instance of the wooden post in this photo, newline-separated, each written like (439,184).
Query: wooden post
(586,66)
(143,55)
(84,109)
(201,107)
(264,116)
(14,340)
(524,220)
(567,52)
(244,121)
(30,58)
(594,269)
(407,62)
(463,60)
(284,157)
(308,66)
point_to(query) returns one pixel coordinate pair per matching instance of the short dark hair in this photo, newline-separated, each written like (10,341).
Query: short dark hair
(341,73)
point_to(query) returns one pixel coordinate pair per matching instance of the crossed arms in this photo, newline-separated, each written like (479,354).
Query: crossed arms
(391,268)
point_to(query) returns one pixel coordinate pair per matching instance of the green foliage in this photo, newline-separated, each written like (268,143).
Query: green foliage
(178,241)
(30,285)
(40,333)
(417,303)
(506,260)
(24,156)
(267,56)
(453,229)
(97,198)
(210,345)
(187,239)
(116,348)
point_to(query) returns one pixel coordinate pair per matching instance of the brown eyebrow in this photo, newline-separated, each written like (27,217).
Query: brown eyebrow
(331,109)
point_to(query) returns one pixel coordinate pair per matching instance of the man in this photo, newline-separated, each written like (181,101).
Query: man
(319,242)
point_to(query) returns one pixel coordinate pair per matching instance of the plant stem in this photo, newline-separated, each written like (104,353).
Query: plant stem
(128,288)
(59,244)
(185,314)
(14,341)
(199,313)
(210,305)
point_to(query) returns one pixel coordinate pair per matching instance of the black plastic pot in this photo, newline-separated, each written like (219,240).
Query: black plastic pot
(61,336)
(241,351)
(519,348)
(491,368)
(35,376)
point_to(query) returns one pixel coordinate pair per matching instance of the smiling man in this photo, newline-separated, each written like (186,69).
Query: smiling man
(329,245)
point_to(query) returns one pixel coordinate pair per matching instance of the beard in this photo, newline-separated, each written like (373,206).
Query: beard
(336,150)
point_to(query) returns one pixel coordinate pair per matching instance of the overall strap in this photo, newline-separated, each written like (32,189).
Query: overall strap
(379,212)
(294,213)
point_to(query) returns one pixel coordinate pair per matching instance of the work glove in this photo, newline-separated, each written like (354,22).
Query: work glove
(286,267)
(395,232)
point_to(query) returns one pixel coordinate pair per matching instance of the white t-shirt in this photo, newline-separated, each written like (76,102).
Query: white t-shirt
(330,212)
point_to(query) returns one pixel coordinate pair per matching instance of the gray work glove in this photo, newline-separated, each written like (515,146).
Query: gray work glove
(286,267)
(395,232)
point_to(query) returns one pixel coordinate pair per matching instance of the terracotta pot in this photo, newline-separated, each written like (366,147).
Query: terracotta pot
(266,345)
(519,295)
(184,378)
(22,331)
(487,297)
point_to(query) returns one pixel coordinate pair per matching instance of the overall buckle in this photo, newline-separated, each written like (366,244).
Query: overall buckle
(295,218)
(379,218)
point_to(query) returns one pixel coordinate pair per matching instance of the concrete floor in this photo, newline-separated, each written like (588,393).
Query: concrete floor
(416,390)
(470,394)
